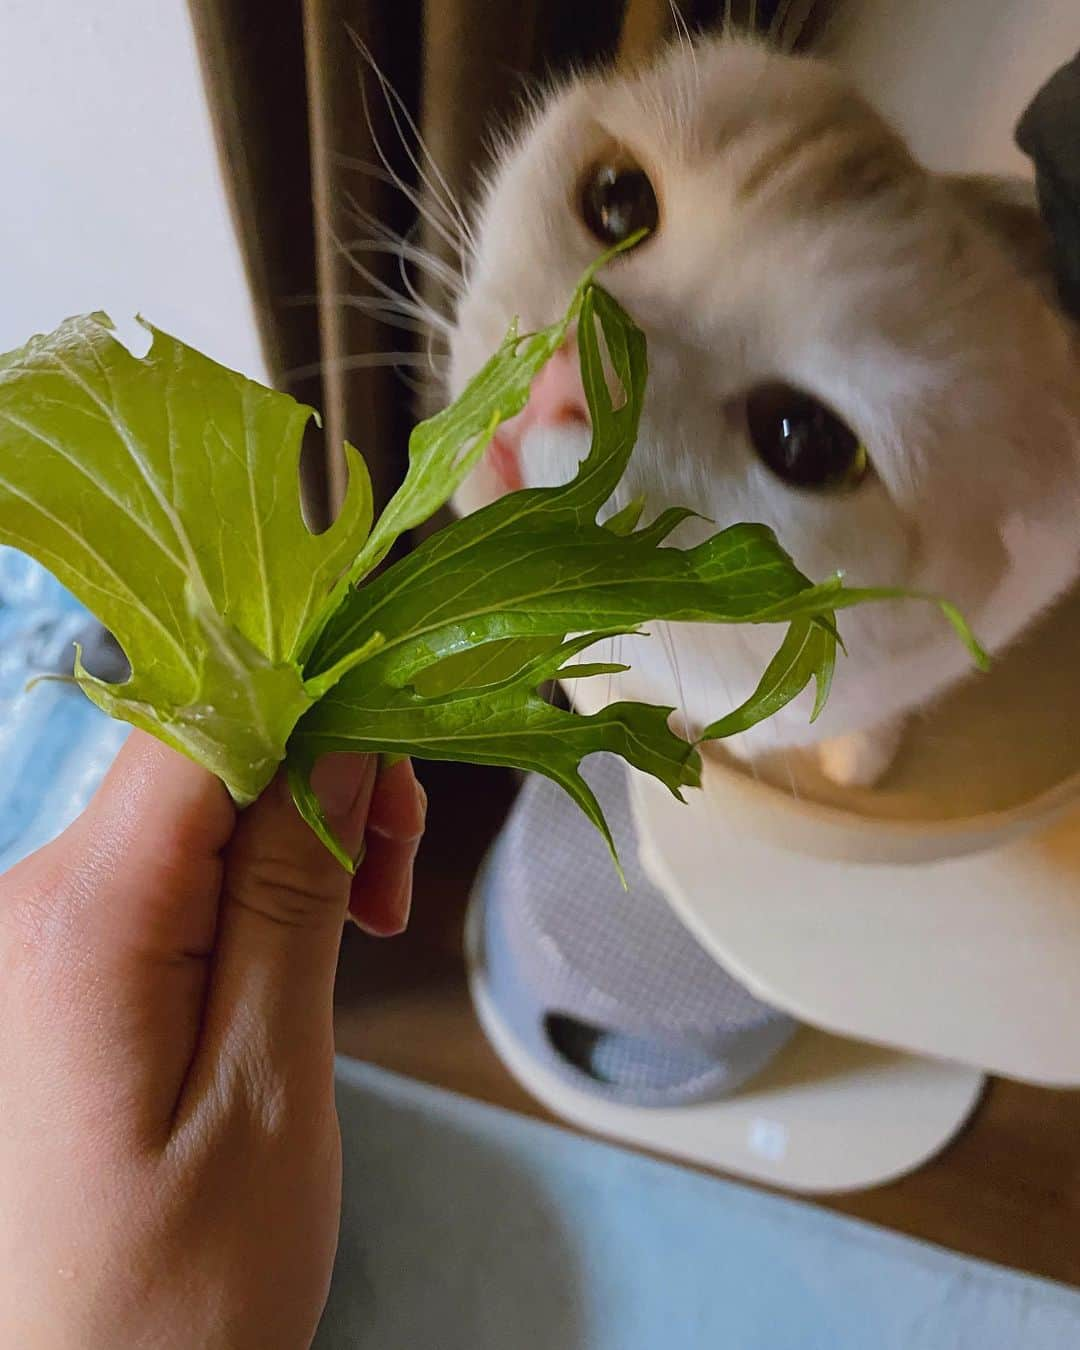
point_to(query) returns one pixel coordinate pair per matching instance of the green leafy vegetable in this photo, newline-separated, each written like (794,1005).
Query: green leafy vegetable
(505,722)
(518,576)
(163,492)
(445,448)
(522,574)
(808,652)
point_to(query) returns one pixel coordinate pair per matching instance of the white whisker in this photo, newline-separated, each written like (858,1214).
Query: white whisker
(450,228)
(413,305)
(386,174)
(402,303)
(612,645)
(421,388)
(667,641)
(690,84)
(389,312)
(682,28)
(392,318)
(429,351)
(385,240)
(366,361)
(407,281)
(792,785)
(779,23)
(402,248)
(371,222)
(440,190)
(422,304)
(420,322)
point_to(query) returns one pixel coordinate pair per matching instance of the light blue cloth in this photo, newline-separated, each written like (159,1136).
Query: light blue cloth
(470,1228)
(55,745)
(467,1228)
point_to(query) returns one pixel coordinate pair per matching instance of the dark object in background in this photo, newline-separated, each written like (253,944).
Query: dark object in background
(102,655)
(1049,133)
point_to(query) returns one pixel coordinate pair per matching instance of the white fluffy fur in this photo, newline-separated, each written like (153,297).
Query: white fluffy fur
(893,296)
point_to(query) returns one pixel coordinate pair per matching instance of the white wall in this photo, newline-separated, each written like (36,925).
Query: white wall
(110,192)
(954,75)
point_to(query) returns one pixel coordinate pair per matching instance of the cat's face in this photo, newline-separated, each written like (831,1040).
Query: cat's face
(838,347)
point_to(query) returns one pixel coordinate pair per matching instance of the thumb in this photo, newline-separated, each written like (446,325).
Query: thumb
(283,907)
(116,925)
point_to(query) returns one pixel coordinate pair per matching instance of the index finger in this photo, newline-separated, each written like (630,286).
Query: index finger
(381,893)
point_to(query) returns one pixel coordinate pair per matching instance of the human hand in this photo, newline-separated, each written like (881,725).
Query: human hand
(170,1164)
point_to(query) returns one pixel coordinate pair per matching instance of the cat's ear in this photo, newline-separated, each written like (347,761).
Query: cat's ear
(1008,209)
(1049,132)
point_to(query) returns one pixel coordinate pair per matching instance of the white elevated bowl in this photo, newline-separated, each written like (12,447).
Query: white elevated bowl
(938,913)
(995,759)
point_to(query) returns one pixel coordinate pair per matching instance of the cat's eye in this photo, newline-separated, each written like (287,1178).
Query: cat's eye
(617,200)
(802,441)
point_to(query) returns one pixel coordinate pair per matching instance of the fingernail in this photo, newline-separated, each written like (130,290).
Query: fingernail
(343,784)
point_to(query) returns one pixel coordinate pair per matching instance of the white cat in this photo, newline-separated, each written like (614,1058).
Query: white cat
(842,345)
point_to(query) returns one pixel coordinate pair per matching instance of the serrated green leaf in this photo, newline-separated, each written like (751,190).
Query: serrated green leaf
(163,492)
(445,448)
(536,563)
(472,620)
(476,667)
(812,602)
(626,520)
(808,652)
(505,723)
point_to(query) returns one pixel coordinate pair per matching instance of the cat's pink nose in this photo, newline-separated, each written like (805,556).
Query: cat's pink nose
(557,398)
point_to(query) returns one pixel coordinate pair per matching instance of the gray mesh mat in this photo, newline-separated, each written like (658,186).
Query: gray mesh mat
(606,986)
